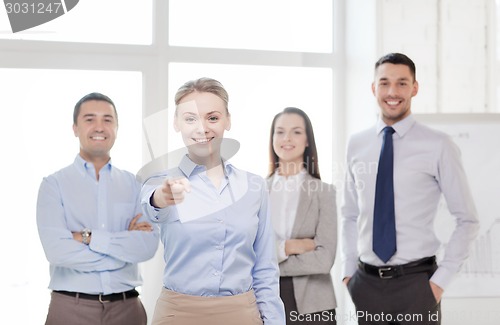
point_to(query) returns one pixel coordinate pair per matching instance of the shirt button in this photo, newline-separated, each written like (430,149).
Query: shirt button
(216,273)
(220,220)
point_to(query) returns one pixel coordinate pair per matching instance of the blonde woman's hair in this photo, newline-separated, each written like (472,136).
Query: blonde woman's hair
(203,85)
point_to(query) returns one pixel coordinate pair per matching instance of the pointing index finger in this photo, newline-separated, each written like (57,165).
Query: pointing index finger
(181,184)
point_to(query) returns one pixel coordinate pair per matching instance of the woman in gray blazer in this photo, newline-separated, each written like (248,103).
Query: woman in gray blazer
(304,219)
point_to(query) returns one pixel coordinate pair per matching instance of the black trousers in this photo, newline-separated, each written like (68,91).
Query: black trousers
(293,317)
(404,300)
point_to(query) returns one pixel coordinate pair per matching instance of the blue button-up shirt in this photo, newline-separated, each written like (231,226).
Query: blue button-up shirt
(73,199)
(219,241)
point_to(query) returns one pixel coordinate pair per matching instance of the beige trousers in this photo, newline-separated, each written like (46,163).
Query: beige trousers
(174,308)
(65,310)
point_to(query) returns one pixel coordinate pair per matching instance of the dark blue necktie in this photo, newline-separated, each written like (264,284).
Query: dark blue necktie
(384,223)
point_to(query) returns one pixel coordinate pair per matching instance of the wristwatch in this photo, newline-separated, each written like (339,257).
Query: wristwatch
(86,236)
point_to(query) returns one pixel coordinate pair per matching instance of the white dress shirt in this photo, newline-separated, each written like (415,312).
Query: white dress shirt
(426,164)
(284,197)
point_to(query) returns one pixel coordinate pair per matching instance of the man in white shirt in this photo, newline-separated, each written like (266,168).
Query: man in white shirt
(405,285)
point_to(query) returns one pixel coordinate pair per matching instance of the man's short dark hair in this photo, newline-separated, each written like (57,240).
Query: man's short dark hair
(398,58)
(92,96)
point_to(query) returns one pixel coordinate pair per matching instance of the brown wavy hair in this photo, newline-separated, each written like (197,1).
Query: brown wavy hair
(310,157)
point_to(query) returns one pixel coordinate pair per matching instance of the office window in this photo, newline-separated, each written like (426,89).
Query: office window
(497,28)
(37,139)
(93,21)
(495,81)
(41,81)
(279,25)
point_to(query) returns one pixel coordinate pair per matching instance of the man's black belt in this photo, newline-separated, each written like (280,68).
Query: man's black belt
(426,264)
(102,298)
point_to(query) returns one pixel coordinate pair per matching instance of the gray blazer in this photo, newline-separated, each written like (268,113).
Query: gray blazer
(317,219)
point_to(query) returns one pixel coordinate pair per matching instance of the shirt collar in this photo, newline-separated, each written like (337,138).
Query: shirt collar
(83,166)
(189,167)
(401,127)
(297,177)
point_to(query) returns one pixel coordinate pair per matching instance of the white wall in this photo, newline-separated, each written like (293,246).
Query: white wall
(447,41)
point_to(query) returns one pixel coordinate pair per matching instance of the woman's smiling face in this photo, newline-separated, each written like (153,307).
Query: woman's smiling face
(202,118)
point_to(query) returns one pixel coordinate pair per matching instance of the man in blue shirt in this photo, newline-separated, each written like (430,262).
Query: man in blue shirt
(91,228)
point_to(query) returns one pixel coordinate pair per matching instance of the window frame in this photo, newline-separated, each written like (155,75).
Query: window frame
(153,62)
